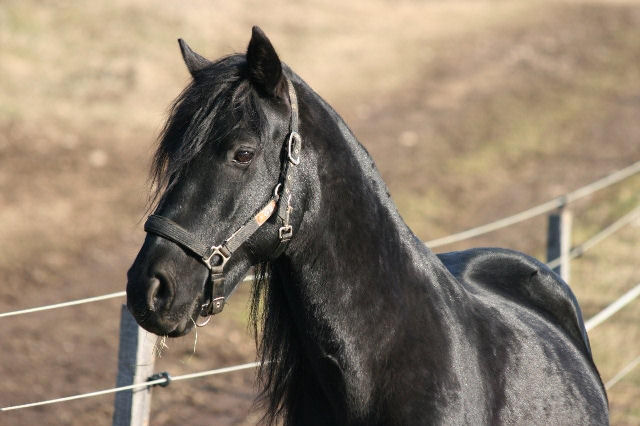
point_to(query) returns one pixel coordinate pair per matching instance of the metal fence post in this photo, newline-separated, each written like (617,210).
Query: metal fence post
(135,365)
(559,241)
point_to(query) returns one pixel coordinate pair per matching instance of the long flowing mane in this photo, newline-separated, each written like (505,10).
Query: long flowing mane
(279,349)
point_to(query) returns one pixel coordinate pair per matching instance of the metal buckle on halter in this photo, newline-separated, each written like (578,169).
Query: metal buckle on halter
(285,232)
(216,305)
(222,253)
(293,152)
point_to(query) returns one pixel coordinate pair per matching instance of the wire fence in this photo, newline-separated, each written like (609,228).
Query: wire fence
(148,383)
(551,205)
(599,237)
(589,325)
(540,209)
(64,304)
(614,307)
(620,375)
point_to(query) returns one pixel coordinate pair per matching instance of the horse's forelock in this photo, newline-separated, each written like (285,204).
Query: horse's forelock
(209,108)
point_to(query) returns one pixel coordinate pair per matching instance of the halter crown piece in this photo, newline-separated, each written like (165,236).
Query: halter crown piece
(215,257)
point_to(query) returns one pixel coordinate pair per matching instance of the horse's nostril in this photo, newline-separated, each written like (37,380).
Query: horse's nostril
(159,293)
(152,291)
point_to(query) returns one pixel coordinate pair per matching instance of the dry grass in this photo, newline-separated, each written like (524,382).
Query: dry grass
(472,110)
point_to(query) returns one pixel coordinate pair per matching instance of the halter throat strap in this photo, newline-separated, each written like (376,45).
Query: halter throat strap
(215,257)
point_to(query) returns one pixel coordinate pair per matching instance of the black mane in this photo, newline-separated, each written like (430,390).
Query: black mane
(280,376)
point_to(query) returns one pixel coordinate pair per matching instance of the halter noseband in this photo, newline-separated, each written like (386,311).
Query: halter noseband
(215,257)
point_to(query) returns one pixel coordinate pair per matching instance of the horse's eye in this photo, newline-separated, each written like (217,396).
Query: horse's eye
(243,156)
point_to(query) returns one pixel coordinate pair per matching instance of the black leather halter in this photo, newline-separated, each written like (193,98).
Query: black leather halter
(215,257)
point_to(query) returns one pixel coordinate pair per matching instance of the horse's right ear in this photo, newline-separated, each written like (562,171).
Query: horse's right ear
(265,69)
(193,61)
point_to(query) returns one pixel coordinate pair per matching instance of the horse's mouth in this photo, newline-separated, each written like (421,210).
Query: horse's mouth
(164,324)
(184,326)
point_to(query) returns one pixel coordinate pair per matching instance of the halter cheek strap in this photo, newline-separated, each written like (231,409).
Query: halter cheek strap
(292,151)
(215,257)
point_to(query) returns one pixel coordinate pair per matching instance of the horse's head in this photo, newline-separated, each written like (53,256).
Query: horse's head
(223,169)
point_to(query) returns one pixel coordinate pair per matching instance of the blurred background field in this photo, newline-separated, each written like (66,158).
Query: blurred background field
(472,110)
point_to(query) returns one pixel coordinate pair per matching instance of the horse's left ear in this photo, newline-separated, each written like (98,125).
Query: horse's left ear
(193,61)
(265,69)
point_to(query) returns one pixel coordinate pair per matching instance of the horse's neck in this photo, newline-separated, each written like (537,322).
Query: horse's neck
(358,279)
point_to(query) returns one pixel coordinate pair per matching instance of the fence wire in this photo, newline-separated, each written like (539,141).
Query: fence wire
(608,385)
(622,373)
(135,386)
(65,304)
(606,232)
(614,307)
(80,302)
(556,203)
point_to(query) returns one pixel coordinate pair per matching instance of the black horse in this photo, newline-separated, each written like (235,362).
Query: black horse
(362,324)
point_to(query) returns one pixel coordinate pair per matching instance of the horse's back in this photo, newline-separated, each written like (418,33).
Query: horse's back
(509,286)
(525,281)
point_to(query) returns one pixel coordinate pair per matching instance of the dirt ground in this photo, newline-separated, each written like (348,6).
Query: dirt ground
(472,110)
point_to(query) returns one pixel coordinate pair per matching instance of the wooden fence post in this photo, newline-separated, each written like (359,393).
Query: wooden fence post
(559,241)
(135,365)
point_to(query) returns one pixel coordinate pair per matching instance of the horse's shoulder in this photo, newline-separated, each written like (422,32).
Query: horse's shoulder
(522,279)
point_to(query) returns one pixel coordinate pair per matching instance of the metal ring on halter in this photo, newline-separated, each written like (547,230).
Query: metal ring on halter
(220,251)
(293,152)
(275,191)
(204,323)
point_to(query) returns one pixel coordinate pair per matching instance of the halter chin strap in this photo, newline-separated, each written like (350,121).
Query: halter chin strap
(215,257)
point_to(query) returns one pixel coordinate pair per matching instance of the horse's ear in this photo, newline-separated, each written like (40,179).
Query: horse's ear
(265,69)
(194,61)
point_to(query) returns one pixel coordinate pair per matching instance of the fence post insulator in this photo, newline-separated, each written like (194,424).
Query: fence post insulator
(164,375)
